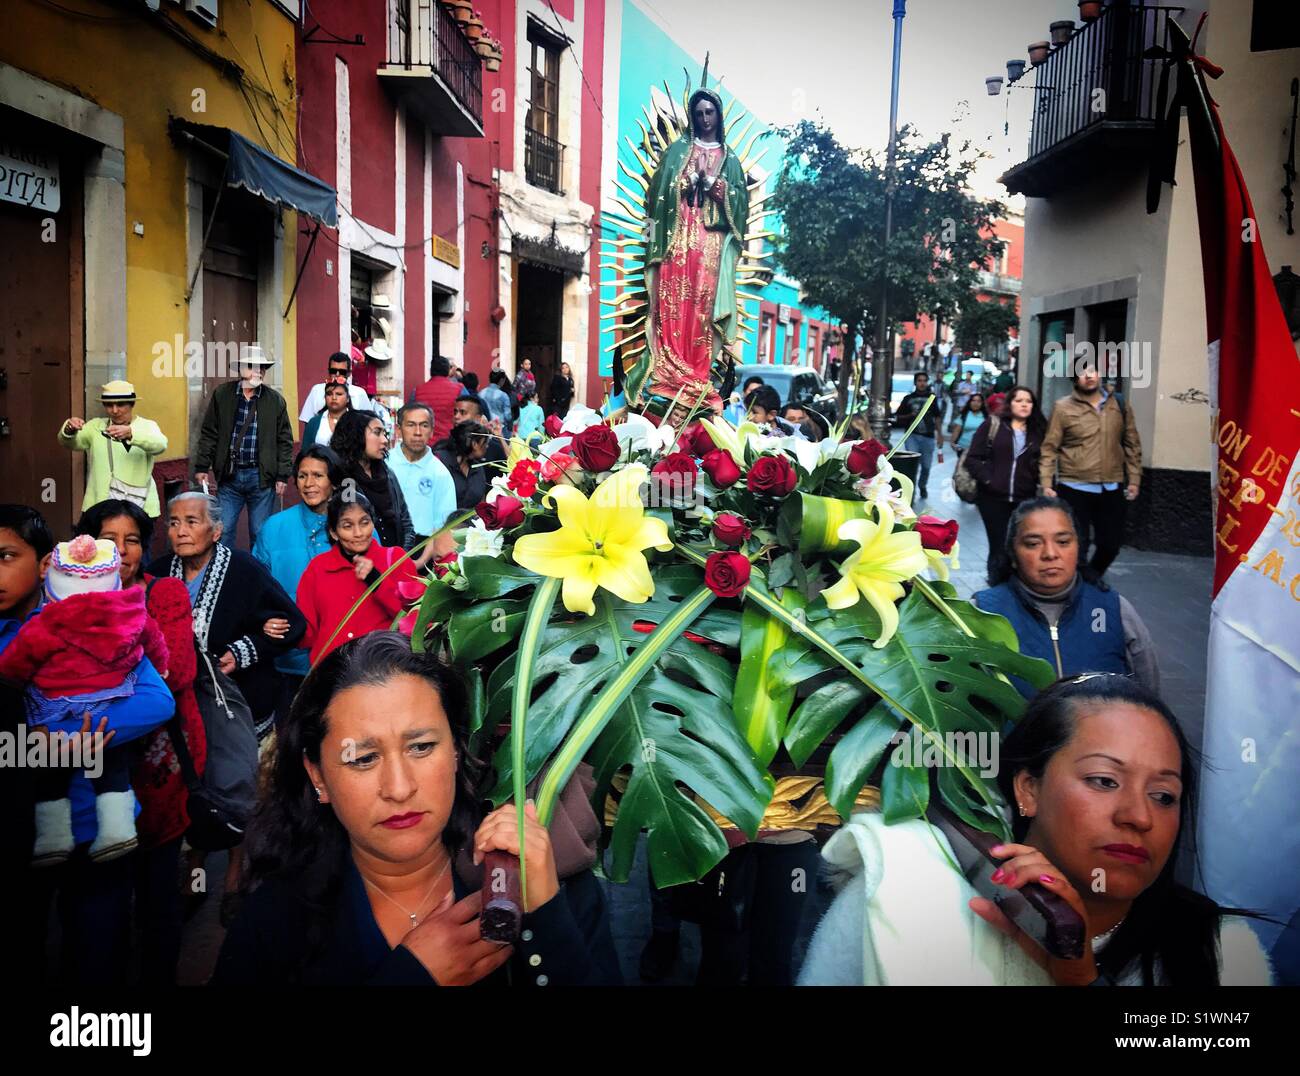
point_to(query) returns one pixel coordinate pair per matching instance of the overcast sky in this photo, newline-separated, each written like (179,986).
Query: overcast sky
(790,58)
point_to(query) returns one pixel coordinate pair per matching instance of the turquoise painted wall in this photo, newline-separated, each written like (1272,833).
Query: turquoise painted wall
(649,56)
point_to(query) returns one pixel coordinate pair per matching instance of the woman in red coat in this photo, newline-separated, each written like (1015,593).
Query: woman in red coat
(156,775)
(335,580)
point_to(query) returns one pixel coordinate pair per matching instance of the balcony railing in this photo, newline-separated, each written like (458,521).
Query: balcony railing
(999,283)
(1099,79)
(543,159)
(424,39)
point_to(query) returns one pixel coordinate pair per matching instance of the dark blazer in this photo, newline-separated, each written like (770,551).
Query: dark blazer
(237,596)
(274,434)
(566,942)
(990,462)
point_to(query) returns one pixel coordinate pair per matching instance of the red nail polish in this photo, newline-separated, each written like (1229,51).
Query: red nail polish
(1046,878)
(997,875)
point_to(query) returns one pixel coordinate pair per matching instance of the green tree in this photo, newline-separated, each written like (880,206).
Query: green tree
(982,324)
(831,201)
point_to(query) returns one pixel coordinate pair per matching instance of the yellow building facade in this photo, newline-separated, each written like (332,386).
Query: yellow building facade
(126,250)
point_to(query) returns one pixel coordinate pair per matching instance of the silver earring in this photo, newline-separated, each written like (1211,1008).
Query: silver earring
(1022,810)
(319,800)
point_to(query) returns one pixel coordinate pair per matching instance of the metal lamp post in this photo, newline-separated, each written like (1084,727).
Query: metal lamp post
(882,365)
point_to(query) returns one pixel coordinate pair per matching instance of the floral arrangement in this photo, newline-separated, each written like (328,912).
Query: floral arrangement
(678,607)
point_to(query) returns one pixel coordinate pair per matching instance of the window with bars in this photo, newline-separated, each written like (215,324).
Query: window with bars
(542,148)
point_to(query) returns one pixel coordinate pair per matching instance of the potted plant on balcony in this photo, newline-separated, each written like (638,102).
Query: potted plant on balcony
(461,10)
(1015,70)
(474,27)
(493,59)
(483,46)
(1039,51)
(1061,31)
(1089,10)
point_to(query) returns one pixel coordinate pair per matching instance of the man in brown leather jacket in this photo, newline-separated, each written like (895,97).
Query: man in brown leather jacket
(1092,458)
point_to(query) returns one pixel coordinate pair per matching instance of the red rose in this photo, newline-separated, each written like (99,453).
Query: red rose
(503,512)
(557,466)
(552,425)
(523,479)
(938,534)
(597,448)
(443,564)
(864,458)
(730,529)
(674,476)
(772,475)
(720,468)
(412,589)
(407,625)
(696,440)
(726,574)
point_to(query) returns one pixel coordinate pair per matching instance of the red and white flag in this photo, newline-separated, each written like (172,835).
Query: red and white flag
(1249,825)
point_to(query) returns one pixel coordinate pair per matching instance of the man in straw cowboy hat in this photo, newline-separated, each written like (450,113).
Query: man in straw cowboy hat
(245,445)
(120,450)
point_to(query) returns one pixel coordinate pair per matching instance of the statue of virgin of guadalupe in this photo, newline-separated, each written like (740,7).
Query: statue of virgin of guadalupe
(697,208)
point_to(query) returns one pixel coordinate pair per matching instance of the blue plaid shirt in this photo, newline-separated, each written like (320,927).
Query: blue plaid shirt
(244,453)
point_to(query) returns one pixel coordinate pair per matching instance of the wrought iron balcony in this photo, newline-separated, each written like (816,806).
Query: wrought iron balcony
(543,160)
(1094,100)
(433,67)
(999,283)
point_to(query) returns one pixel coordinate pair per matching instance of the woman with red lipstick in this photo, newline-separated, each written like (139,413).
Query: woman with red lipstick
(1059,612)
(1100,776)
(364,851)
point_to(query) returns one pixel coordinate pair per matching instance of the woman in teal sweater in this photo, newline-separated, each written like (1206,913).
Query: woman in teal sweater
(287,543)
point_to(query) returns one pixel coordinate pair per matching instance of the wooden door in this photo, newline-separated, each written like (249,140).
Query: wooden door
(41,345)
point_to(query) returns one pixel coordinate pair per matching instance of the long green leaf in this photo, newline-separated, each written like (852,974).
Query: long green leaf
(814,637)
(539,612)
(616,690)
(856,756)
(762,706)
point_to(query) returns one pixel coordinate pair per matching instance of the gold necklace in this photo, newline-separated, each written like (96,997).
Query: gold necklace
(413,916)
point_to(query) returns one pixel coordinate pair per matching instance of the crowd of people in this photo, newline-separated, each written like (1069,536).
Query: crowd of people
(355,858)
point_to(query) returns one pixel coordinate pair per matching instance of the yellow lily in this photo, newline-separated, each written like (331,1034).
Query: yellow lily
(939,562)
(599,543)
(519,450)
(877,569)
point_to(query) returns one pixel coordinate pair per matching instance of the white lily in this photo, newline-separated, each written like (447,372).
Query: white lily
(879,490)
(639,434)
(808,453)
(579,418)
(481,542)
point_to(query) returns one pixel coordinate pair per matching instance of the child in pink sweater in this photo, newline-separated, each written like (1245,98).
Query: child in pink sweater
(79,653)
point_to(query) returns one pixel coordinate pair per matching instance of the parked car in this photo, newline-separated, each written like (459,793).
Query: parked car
(794,384)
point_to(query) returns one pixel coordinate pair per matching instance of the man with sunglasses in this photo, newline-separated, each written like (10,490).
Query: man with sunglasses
(340,368)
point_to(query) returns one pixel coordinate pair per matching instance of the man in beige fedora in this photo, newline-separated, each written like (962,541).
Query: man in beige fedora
(245,445)
(120,450)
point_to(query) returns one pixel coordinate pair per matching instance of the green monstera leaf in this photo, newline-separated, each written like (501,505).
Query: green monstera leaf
(939,682)
(628,687)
